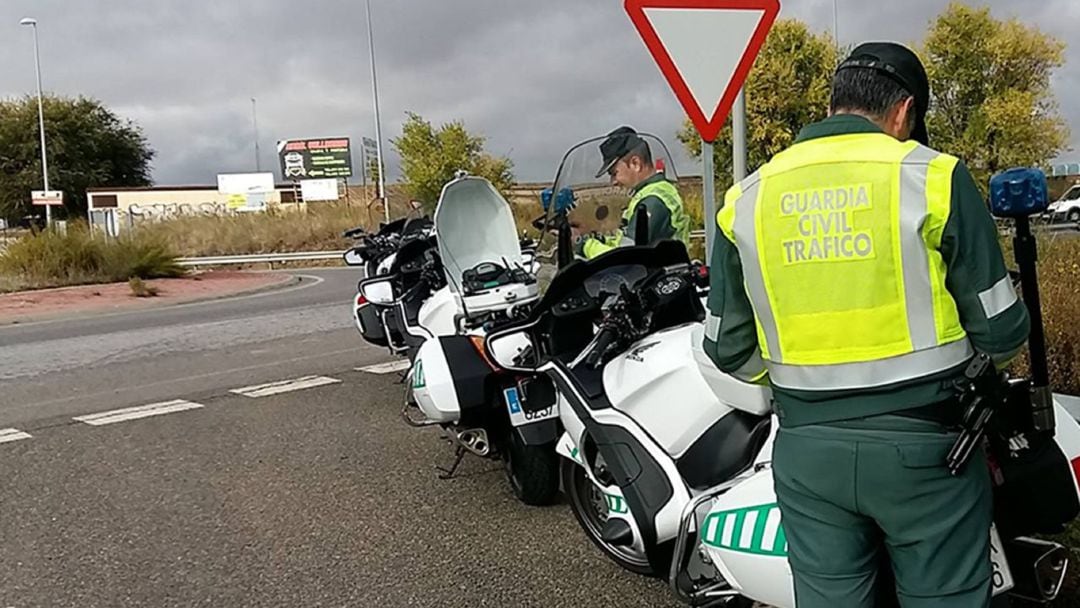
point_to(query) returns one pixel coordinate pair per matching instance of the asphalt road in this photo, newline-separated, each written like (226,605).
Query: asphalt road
(67,367)
(318,496)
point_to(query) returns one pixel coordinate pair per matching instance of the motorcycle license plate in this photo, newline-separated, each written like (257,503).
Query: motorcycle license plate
(518,415)
(1001,577)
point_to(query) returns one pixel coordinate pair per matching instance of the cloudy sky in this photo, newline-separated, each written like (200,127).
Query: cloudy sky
(533,77)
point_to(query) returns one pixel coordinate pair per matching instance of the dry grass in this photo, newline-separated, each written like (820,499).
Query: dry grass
(77,257)
(316,227)
(1059,291)
(140,289)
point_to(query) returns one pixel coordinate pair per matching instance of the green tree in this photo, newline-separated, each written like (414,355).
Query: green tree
(990,79)
(87,144)
(787,89)
(430,157)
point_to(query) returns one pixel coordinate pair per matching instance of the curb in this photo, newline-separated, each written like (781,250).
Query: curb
(74,313)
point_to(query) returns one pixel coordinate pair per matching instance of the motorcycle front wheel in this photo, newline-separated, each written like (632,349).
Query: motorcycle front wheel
(590,509)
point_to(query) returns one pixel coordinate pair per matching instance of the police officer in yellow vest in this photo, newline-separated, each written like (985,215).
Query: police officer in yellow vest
(857,272)
(629,163)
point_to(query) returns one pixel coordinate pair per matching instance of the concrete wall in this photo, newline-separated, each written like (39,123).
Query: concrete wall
(164,202)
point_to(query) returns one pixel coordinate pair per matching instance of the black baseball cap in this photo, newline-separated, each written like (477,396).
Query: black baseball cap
(902,65)
(618,144)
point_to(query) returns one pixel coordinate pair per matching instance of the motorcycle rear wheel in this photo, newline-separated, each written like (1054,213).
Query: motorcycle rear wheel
(532,470)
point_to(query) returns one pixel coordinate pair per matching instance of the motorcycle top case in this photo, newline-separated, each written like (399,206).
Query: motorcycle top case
(448,379)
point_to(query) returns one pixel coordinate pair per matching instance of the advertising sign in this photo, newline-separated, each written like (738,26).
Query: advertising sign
(315,158)
(245,183)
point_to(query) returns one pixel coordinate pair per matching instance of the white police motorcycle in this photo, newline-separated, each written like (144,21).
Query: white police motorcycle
(489,281)
(668,460)
(399,250)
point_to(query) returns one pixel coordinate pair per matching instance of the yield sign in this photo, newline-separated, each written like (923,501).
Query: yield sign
(705,49)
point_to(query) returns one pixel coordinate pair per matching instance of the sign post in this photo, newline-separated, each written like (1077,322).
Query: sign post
(705,49)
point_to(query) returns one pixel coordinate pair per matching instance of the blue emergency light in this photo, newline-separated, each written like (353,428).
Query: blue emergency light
(1018,192)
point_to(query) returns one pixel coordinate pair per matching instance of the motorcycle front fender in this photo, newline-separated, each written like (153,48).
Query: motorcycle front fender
(538,433)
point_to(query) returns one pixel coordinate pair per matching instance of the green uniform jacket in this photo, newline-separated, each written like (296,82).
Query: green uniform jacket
(974,263)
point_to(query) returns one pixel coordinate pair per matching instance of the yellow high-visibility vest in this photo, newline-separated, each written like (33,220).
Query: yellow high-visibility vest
(669,195)
(839,239)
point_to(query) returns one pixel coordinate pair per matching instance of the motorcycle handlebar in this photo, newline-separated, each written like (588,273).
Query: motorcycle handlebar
(603,340)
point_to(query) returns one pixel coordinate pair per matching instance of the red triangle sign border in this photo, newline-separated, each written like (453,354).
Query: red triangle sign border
(707,126)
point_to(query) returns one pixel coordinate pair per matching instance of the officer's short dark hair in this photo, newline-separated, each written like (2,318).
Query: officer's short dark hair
(643,152)
(866,91)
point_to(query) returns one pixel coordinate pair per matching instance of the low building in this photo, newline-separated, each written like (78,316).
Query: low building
(115,209)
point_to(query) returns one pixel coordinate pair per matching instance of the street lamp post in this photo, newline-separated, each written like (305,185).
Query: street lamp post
(378,123)
(835,25)
(255,124)
(41,116)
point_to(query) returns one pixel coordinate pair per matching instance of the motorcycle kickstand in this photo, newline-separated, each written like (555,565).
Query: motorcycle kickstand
(459,455)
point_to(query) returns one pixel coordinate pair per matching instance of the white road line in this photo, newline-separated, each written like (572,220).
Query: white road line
(284,386)
(386,368)
(134,413)
(7,435)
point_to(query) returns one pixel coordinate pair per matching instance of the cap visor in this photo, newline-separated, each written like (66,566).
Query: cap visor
(607,167)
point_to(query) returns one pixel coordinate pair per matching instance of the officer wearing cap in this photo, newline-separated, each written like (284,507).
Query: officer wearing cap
(857,272)
(628,161)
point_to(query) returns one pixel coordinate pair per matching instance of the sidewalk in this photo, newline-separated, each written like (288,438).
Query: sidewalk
(24,306)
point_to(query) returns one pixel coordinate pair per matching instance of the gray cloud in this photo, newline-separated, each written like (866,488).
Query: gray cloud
(533,77)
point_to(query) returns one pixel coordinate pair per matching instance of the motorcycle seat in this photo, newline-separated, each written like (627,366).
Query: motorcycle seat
(726,449)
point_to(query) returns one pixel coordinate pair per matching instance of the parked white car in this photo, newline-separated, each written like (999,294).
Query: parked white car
(1067,207)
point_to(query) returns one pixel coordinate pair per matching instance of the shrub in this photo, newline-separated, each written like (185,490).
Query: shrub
(53,259)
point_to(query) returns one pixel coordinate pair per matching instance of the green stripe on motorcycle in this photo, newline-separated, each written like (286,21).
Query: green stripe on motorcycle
(615,504)
(755,530)
(418,376)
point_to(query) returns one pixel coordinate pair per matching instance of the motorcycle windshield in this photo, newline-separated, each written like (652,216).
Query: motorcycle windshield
(591,189)
(474,225)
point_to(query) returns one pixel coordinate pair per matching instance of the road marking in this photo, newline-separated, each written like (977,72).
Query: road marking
(284,386)
(134,413)
(224,372)
(7,435)
(386,368)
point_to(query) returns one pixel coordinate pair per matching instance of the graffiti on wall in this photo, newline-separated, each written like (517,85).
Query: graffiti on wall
(164,211)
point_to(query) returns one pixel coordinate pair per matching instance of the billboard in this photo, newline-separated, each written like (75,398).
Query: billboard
(315,158)
(245,183)
(319,190)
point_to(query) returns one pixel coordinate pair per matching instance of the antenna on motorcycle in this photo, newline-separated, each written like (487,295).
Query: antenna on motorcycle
(641,226)
(565,244)
(1018,194)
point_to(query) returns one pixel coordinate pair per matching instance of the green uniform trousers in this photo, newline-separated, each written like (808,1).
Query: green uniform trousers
(849,490)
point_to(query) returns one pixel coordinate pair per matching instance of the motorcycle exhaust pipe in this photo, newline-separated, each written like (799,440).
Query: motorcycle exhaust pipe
(1038,568)
(474,440)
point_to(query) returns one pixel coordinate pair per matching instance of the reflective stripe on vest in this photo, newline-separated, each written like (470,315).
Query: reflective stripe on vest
(669,195)
(839,239)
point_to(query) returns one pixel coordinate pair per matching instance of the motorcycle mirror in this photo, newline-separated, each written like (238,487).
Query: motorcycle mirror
(505,349)
(602,212)
(379,291)
(352,258)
